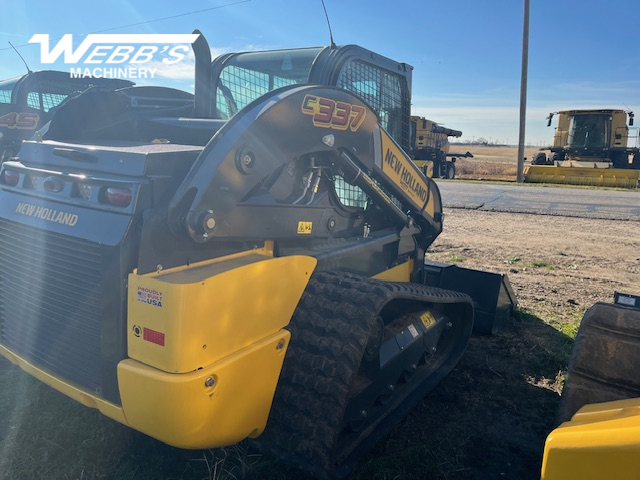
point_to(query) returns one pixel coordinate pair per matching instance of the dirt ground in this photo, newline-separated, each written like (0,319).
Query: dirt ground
(558,266)
(495,410)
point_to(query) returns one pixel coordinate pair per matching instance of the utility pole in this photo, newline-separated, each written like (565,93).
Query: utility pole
(523,91)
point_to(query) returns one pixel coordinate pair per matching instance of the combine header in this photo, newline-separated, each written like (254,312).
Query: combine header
(590,147)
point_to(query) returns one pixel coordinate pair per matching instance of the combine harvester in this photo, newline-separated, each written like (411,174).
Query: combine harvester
(430,148)
(590,147)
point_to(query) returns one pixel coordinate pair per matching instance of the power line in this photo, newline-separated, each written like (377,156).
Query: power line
(145,22)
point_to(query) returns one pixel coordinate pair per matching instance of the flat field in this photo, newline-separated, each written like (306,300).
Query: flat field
(490,162)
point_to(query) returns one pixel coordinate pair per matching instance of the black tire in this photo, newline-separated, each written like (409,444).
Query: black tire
(620,160)
(605,359)
(441,162)
(451,171)
(556,157)
(540,158)
(330,331)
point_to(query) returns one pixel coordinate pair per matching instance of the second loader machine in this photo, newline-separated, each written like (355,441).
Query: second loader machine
(248,262)
(590,147)
(28,102)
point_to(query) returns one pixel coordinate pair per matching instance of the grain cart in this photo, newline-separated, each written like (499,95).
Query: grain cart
(590,147)
(29,101)
(245,263)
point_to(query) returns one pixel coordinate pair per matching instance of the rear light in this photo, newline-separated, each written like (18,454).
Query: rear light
(118,196)
(10,177)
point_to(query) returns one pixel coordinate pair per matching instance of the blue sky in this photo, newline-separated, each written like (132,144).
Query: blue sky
(466,53)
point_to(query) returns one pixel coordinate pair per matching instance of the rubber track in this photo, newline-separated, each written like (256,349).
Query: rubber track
(329,331)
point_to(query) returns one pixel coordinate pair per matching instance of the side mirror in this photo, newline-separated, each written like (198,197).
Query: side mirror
(631,119)
(549,118)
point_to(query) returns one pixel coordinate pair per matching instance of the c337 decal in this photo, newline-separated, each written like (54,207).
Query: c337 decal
(21,121)
(328,113)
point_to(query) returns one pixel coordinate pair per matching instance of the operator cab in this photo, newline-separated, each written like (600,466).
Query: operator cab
(589,131)
(385,85)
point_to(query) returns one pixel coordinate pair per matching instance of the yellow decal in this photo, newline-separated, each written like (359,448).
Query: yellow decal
(427,319)
(328,113)
(49,214)
(21,121)
(403,172)
(304,228)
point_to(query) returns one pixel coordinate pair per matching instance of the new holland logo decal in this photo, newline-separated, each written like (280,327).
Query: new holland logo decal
(48,214)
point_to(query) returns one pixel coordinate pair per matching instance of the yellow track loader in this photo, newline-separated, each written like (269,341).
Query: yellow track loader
(430,148)
(244,262)
(600,403)
(590,147)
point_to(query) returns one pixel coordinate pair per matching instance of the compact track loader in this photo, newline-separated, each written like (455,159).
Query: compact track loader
(248,262)
(590,147)
(600,404)
(28,102)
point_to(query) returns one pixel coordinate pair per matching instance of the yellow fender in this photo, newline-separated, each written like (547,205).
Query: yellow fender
(207,342)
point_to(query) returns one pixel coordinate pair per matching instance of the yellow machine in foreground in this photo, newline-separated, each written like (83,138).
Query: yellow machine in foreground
(600,438)
(430,148)
(590,147)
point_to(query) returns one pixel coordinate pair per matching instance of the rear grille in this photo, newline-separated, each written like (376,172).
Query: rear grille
(51,291)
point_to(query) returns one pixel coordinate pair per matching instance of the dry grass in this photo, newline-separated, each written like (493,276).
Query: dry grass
(490,162)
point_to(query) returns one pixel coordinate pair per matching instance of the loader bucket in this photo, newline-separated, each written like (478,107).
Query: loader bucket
(492,295)
(599,177)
